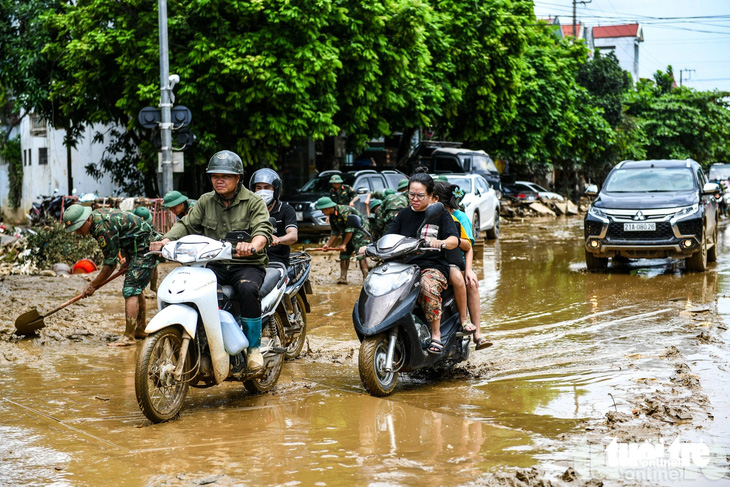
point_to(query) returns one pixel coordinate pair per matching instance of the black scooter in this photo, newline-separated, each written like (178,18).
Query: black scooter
(392,328)
(295,305)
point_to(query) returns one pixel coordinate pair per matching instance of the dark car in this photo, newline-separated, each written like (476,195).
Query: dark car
(459,160)
(653,210)
(312,221)
(519,193)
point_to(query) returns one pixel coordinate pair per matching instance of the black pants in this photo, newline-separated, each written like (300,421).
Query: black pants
(246,280)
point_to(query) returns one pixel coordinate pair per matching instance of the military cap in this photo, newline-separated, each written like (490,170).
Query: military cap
(324,202)
(75,216)
(173,198)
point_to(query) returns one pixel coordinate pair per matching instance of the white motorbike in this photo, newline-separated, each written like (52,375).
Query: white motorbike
(194,341)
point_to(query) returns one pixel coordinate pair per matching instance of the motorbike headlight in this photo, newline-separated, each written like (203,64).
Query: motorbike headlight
(597,212)
(688,210)
(185,253)
(210,254)
(380,284)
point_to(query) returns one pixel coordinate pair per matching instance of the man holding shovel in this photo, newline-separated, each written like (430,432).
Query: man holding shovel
(119,232)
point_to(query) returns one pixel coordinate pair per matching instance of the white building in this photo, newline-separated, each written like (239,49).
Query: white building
(623,41)
(46,168)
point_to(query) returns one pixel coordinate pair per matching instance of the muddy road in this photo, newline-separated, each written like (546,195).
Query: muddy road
(636,355)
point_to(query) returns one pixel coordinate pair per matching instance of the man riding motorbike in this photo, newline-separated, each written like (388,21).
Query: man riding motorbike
(231,207)
(267,184)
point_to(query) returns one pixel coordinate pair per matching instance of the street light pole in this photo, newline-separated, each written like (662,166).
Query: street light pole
(165,100)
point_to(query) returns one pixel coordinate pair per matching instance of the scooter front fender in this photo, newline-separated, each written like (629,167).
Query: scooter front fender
(174,314)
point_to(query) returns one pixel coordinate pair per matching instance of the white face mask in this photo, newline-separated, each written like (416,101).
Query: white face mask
(267,195)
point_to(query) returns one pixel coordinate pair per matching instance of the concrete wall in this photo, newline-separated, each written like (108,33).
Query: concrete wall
(626,50)
(44,179)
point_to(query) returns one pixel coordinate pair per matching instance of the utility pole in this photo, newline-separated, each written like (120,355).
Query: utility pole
(688,73)
(165,100)
(574,19)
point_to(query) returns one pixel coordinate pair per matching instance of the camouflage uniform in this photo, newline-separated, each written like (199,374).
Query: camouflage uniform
(343,196)
(118,231)
(376,223)
(390,208)
(338,223)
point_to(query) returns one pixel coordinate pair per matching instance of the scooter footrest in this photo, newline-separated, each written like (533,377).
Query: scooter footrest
(277,350)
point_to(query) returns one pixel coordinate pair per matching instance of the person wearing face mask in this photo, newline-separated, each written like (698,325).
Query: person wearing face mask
(267,184)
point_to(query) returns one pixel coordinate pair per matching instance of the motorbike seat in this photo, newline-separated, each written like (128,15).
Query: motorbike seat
(274,274)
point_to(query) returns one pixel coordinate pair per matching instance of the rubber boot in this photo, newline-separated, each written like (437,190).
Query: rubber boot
(344,265)
(252,329)
(141,318)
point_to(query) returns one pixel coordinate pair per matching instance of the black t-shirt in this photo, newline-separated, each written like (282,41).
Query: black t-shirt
(406,223)
(286,217)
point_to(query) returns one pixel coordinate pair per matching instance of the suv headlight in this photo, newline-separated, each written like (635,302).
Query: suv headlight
(597,212)
(687,210)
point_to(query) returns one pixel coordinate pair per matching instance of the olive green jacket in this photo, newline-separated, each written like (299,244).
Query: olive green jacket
(211,218)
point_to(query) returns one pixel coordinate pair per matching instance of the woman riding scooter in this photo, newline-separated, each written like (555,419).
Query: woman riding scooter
(440,234)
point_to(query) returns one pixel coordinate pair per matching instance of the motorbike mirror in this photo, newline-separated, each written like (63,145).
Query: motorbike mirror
(431,214)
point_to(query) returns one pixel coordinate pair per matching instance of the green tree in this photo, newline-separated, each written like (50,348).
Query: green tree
(682,122)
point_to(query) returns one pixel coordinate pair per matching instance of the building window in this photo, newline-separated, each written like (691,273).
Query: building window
(43,156)
(25,157)
(30,157)
(37,126)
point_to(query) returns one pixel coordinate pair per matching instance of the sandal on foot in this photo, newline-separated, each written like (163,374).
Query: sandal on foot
(482,343)
(467,327)
(341,281)
(436,347)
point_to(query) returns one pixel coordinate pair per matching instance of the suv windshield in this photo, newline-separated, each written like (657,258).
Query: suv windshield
(719,173)
(463,183)
(648,180)
(483,164)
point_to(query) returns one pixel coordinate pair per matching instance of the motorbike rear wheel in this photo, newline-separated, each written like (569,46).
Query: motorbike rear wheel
(373,353)
(272,336)
(159,395)
(295,346)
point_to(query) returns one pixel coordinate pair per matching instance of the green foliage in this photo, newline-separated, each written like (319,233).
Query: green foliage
(682,123)
(11,154)
(607,83)
(51,245)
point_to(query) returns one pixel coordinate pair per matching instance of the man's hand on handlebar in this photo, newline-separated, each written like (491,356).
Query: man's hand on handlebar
(157,246)
(244,249)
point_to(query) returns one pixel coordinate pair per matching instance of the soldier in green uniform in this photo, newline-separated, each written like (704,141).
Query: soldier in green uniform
(119,232)
(178,203)
(144,213)
(394,203)
(352,238)
(340,193)
(232,207)
(376,218)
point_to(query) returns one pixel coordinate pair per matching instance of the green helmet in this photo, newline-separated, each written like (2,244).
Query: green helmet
(403,183)
(225,162)
(389,191)
(336,179)
(441,177)
(173,198)
(144,213)
(75,216)
(375,202)
(325,202)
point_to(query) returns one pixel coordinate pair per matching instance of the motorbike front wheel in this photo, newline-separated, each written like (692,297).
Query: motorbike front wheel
(159,395)
(272,336)
(373,353)
(295,346)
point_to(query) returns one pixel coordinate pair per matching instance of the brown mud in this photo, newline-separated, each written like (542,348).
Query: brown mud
(637,354)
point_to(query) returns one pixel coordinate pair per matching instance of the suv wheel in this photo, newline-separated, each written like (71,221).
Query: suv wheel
(594,263)
(475,223)
(493,233)
(712,253)
(697,262)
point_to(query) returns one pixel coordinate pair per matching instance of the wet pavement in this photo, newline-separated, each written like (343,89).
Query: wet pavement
(569,347)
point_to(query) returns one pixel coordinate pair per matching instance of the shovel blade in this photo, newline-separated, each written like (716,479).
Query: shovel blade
(28,323)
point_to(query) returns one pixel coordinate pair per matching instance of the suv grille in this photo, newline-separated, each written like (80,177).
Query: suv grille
(593,227)
(663,232)
(690,227)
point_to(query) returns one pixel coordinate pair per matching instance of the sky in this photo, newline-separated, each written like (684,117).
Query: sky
(692,35)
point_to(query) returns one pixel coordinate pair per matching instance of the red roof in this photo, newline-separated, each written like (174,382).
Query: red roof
(568,30)
(608,31)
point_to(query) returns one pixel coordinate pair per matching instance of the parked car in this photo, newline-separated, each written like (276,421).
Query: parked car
(446,160)
(653,210)
(541,192)
(481,203)
(720,173)
(312,221)
(515,194)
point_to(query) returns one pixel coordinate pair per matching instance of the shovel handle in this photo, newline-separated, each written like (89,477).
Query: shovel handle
(76,298)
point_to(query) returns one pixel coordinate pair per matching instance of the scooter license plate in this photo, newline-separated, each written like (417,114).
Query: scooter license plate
(300,216)
(639,227)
